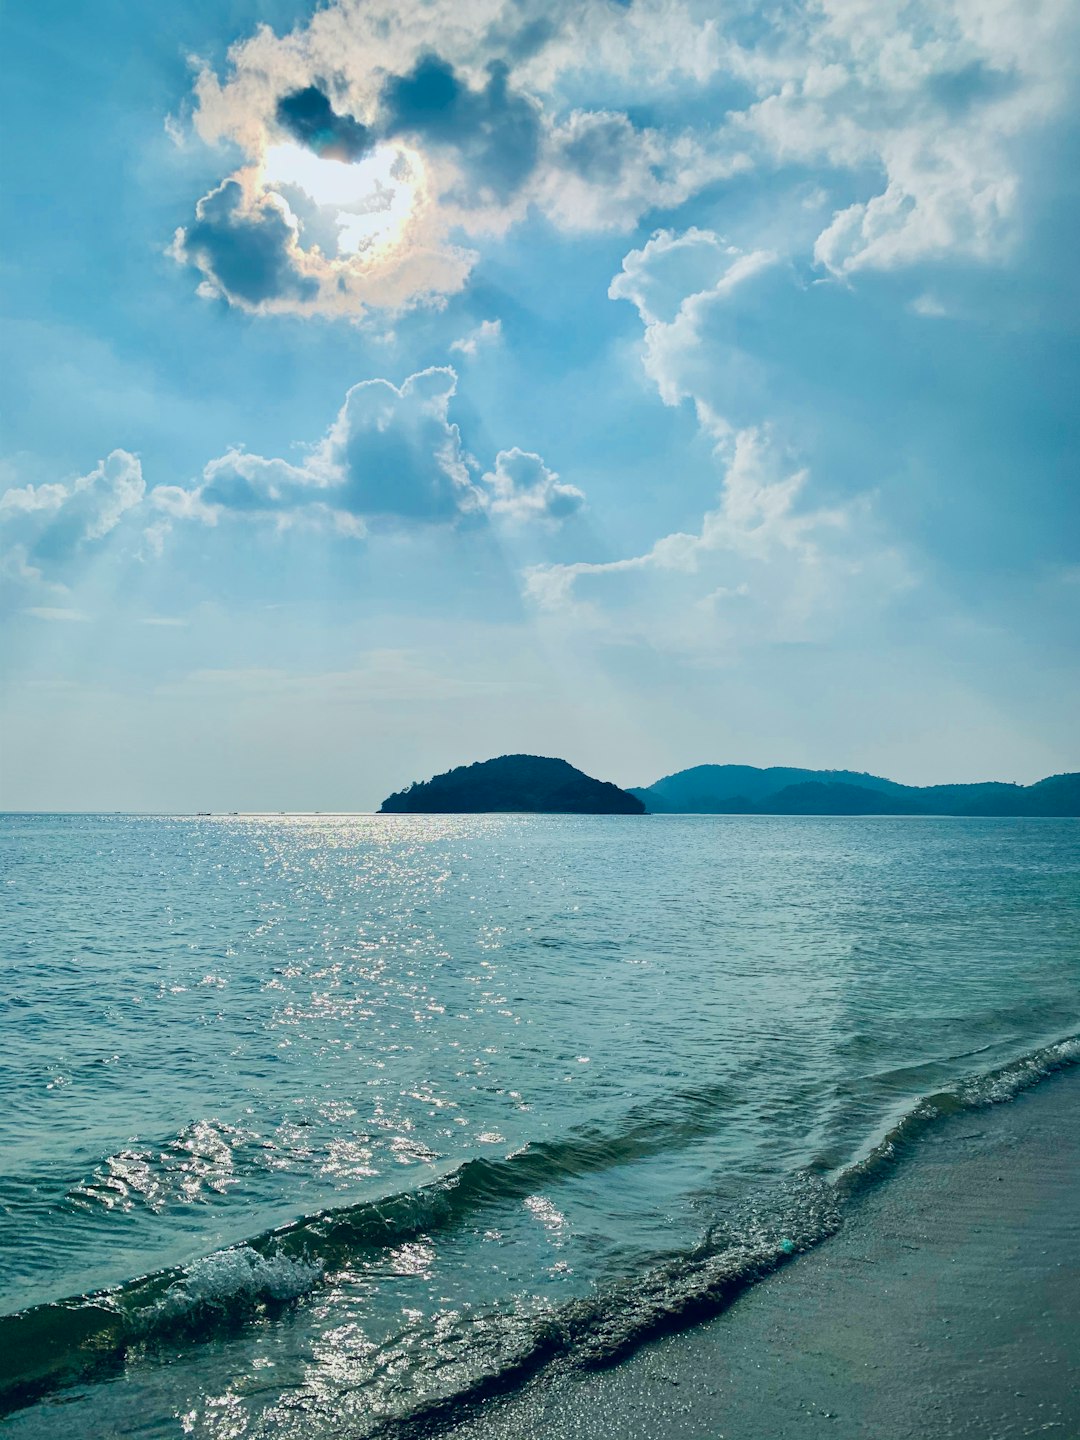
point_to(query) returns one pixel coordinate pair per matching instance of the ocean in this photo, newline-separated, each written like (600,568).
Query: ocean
(335,1125)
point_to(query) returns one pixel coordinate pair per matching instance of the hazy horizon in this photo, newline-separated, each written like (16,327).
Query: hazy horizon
(193,803)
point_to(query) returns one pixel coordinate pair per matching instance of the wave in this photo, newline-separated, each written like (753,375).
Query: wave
(209,1157)
(993,1087)
(52,1345)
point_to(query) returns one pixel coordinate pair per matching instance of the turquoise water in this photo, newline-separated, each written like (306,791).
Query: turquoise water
(309,1123)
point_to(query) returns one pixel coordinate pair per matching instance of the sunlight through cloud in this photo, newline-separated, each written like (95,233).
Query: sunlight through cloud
(371,200)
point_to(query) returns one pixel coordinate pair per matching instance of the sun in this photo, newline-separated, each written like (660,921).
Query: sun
(370,201)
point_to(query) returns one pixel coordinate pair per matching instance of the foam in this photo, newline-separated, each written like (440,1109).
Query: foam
(51,1345)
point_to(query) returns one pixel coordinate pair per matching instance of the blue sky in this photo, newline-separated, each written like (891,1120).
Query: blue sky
(655,383)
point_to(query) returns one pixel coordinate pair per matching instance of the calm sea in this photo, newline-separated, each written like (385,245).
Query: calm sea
(314,1125)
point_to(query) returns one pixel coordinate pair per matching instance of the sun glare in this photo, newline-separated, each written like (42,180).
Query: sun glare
(371,200)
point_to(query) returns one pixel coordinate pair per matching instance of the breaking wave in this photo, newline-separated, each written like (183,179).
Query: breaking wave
(50,1345)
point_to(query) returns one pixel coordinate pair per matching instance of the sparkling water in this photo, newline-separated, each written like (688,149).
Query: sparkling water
(312,1123)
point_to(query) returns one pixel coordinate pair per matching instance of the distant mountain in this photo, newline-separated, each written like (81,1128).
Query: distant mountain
(739,789)
(746,790)
(513,783)
(815,798)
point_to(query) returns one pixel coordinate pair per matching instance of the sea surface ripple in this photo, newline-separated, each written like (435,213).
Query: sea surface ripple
(331,1124)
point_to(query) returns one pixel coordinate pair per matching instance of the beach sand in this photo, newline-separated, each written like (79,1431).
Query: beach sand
(948,1305)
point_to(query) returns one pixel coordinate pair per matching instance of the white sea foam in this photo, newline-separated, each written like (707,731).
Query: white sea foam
(243,1274)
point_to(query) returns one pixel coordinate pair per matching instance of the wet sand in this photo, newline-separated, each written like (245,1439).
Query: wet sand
(947,1306)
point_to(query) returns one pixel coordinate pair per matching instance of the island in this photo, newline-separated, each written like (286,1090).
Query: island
(511,783)
(778,790)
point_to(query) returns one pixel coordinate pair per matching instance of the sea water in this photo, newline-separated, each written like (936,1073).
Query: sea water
(332,1125)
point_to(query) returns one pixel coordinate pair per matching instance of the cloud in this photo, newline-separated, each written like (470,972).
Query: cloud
(440,119)
(308,116)
(43,526)
(604,172)
(391,455)
(488,332)
(386,676)
(660,277)
(929,307)
(758,516)
(678,283)
(392,458)
(436,121)
(54,613)
(493,132)
(521,488)
(766,564)
(797,572)
(397,452)
(266,244)
(934,97)
(247,248)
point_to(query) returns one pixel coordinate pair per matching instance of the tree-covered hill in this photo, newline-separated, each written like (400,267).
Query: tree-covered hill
(514,783)
(747,790)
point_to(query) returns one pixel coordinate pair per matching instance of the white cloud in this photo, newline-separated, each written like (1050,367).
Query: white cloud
(675,281)
(391,454)
(929,307)
(521,488)
(757,517)
(43,526)
(385,676)
(55,613)
(16,570)
(670,268)
(797,572)
(488,332)
(603,172)
(392,457)
(372,133)
(935,96)
(248,242)
(794,568)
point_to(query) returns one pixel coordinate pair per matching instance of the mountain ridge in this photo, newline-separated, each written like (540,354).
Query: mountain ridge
(780,790)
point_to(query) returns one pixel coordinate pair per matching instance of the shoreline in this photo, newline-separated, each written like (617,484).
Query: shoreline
(946,1306)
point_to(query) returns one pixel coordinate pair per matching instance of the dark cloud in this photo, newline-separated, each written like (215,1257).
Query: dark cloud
(959,90)
(245,251)
(392,455)
(309,117)
(598,147)
(530,39)
(495,130)
(399,456)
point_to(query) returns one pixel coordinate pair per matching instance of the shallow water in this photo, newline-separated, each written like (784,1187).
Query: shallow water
(351,1114)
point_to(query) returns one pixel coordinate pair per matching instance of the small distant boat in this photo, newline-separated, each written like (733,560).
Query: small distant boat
(199,813)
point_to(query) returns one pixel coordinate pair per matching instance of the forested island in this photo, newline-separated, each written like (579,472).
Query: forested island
(538,784)
(777,790)
(513,783)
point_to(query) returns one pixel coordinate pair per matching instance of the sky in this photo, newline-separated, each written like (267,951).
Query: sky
(391,385)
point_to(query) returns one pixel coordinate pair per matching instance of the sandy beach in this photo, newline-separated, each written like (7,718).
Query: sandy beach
(945,1307)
